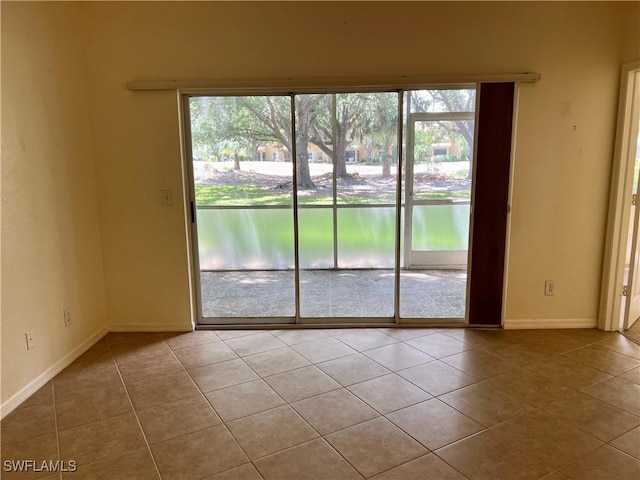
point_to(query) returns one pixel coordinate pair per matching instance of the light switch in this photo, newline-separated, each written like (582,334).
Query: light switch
(167,198)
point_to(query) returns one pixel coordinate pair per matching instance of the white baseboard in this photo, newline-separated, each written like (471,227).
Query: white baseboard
(539,323)
(150,327)
(24,393)
(32,387)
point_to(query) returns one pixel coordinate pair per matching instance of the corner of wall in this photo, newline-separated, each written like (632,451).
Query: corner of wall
(51,246)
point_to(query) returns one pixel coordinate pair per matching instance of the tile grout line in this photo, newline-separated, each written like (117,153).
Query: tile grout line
(507,440)
(605,401)
(604,347)
(565,354)
(533,408)
(619,450)
(345,387)
(537,408)
(303,419)
(202,395)
(144,436)
(614,407)
(541,410)
(223,422)
(363,354)
(621,435)
(380,415)
(55,420)
(434,359)
(430,452)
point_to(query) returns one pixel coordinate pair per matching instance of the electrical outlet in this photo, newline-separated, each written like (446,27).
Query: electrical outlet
(67,316)
(549,288)
(29,338)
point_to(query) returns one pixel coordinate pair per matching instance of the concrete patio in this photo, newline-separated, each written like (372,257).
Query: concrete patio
(328,293)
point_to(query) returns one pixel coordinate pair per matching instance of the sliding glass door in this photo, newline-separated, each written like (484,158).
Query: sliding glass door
(331,207)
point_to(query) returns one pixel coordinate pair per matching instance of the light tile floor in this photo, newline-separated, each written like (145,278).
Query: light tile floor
(329,293)
(633,333)
(339,404)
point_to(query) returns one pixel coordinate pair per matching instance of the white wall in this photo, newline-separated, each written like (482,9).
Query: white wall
(564,141)
(631,39)
(51,247)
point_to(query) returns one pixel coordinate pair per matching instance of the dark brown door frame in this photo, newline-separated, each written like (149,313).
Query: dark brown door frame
(491,203)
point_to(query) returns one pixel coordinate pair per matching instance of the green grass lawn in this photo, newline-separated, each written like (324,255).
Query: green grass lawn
(251,195)
(237,195)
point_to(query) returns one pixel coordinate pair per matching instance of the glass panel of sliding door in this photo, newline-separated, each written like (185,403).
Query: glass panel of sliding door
(346,204)
(438,179)
(316,214)
(366,173)
(243,179)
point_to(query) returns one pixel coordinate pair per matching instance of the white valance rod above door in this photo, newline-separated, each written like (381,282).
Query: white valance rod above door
(317,85)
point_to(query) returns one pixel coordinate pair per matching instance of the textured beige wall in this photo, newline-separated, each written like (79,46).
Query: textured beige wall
(51,247)
(631,49)
(564,142)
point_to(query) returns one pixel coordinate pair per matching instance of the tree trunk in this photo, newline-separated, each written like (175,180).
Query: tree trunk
(468,136)
(303,124)
(302,164)
(386,164)
(340,151)
(236,161)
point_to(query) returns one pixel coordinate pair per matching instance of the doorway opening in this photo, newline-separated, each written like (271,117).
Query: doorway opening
(620,297)
(631,295)
(350,207)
